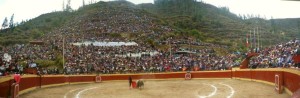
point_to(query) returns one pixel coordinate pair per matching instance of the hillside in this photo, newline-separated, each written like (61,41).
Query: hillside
(220,25)
(110,21)
(32,29)
(151,23)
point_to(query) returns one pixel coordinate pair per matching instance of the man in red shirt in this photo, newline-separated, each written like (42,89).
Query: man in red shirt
(17,78)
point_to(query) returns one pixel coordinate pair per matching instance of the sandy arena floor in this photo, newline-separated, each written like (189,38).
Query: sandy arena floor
(213,88)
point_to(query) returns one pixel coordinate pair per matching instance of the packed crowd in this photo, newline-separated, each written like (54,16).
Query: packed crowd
(104,59)
(27,53)
(161,62)
(97,27)
(122,59)
(280,55)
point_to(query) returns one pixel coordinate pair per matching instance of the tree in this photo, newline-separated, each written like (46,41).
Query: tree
(273,24)
(68,6)
(11,23)
(4,24)
(298,23)
(63,7)
(83,4)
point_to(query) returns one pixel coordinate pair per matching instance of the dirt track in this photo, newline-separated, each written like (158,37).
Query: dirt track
(214,88)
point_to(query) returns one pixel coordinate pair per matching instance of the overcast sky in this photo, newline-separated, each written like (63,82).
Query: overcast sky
(28,9)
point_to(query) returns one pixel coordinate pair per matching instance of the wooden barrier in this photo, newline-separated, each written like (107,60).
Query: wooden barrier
(5,89)
(188,76)
(290,78)
(98,79)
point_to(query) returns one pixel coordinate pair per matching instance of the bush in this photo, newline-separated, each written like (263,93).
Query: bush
(45,63)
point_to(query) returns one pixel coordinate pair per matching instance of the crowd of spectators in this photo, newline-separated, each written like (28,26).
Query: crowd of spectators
(204,60)
(280,55)
(104,59)
(107,60)
(10,57)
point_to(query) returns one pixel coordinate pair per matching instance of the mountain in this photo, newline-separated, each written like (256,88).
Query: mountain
(32,29)
(150,23)
(221,26)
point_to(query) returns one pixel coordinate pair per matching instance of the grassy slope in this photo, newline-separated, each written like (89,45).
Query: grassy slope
(216,25)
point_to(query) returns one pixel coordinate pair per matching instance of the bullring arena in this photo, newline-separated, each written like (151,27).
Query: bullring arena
(219,88)
(242,83)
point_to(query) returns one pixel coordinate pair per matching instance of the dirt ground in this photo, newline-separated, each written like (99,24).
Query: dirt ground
(200,88)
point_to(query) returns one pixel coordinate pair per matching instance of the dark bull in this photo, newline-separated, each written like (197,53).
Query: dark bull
(140,84)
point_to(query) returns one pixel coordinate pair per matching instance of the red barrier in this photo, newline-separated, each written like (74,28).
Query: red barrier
(290,79)
(98,79)
(188,76)
(51,80)
(5,88)
(29,82)
(82,79)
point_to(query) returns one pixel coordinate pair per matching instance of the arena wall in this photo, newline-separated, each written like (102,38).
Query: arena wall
(291,78)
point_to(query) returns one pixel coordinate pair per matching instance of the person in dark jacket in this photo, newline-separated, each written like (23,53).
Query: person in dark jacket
(130,81)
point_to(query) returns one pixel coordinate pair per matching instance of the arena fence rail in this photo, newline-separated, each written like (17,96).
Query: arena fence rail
(282,79)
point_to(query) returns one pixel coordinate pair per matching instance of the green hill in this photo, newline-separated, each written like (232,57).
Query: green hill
(32,29)
(219,25)
(181,19)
